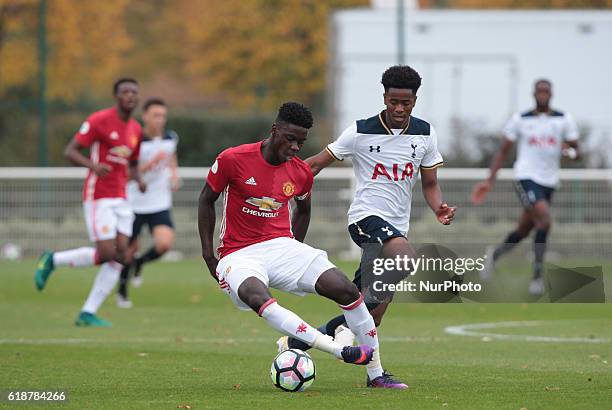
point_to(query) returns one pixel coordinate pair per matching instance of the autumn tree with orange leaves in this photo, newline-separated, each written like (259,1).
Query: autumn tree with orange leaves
(87,42)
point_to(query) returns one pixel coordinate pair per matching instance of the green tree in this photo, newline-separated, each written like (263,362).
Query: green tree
(257,52)
(87,43)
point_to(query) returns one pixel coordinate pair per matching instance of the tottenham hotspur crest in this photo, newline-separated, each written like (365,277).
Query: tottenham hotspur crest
(414,147)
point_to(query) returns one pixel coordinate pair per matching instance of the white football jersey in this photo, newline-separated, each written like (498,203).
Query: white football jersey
(158,196)
(539,137)
(386,166)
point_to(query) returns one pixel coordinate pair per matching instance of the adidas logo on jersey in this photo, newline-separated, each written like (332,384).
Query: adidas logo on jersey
(250,181)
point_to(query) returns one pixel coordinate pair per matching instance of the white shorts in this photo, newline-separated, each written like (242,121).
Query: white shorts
(281,263)
(106,217)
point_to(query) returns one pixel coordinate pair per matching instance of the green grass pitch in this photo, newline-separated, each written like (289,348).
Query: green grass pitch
(184,345)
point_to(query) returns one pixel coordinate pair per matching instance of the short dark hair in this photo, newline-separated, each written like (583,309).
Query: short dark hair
(121,81)
(296,114)
(542,80)
(401,76)
(153,101)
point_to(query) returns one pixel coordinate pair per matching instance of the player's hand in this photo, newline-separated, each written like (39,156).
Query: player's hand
(445,214)
(212,263)
(142,186)
(101,169)
(480,191)
(569,152)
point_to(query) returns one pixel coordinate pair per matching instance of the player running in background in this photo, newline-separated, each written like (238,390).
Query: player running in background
(542,135)
(388,152)
(158,167)
(113,138)
(261,242)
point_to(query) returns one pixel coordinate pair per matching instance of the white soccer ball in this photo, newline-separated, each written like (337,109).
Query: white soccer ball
(293,370)
(10,251)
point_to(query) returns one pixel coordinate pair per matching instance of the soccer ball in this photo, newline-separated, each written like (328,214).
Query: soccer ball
(10,251)
(293,370)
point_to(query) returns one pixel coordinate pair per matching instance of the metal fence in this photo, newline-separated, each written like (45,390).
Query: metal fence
(40,208)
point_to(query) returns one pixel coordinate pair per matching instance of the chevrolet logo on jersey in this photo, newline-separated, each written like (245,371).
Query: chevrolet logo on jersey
(265,203)
(121,151)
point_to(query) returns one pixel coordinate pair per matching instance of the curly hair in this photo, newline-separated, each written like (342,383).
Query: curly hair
(296,114)
(121,81)
(401,76)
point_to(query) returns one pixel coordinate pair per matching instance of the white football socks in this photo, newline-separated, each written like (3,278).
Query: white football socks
(361,323)
(290,324)
(78,257)
(105,282)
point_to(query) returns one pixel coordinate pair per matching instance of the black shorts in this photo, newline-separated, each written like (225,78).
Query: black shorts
(371,230)
(530,192)
(152,220)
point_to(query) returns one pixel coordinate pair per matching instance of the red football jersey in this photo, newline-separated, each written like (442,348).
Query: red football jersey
(256,195)
(111,141)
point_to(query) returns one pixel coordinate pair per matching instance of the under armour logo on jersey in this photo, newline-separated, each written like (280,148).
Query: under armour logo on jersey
(374,148)
(114,135)
(414,147)
(250,181)
(387,230)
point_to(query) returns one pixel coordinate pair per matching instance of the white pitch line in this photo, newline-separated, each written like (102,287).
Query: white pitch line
(178,340)
(469,330)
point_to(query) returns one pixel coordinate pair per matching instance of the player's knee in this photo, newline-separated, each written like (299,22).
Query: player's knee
(347,294)
(106,255)
(122,256)
(543,223)
(377,319)
(163,246)
(255,301)
(252,293)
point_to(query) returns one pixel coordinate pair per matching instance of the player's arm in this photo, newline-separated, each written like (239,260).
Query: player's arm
(433,196)
(569,147)
(482,188)
(498,160)
(134,169)
(175,180)
(206,227)
(340,149)
(136,176)
(320,161)
(73,153)
(300,220)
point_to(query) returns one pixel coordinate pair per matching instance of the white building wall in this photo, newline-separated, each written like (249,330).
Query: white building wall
(478,66)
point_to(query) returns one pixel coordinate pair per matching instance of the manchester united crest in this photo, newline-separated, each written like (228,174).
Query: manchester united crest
(288,188)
